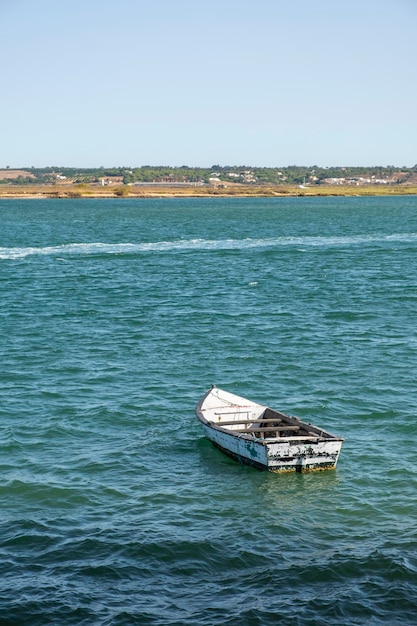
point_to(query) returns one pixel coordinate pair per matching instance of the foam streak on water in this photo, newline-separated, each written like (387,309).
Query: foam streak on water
(116,315)
(205,244)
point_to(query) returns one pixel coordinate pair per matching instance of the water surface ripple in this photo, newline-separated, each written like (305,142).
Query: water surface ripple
(116,315)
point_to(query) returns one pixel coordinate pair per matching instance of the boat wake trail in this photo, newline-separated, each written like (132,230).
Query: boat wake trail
(97,248)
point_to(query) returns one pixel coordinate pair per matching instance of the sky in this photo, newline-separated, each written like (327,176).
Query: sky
(91,83)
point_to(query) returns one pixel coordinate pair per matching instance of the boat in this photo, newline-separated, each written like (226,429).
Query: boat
(256,435)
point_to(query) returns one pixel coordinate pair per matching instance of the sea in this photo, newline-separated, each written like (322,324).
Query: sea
(116,316)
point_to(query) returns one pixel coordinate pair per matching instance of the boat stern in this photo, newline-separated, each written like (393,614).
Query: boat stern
(307,456)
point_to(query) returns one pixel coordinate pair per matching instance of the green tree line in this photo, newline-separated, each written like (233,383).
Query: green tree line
(290,175)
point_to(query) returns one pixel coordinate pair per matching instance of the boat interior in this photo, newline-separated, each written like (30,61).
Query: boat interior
(269,424)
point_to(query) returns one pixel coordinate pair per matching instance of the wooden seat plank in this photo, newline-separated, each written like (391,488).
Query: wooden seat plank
(267,429)
(247,421)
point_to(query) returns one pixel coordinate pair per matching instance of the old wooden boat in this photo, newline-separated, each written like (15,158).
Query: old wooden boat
(267,439)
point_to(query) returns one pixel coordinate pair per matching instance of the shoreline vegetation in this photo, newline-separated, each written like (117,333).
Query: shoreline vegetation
(221,181)
(167,190)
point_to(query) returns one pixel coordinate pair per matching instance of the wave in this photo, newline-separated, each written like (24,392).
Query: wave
(97,248)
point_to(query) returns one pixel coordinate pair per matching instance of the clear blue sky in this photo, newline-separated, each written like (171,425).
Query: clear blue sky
(267,83)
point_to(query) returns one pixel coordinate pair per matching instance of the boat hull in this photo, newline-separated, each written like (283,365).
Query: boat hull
(298,456)
(222,425)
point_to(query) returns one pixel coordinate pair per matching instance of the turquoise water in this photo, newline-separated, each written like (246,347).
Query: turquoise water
(116,316)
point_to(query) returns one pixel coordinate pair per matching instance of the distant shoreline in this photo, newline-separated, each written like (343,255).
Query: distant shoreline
(192,191)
